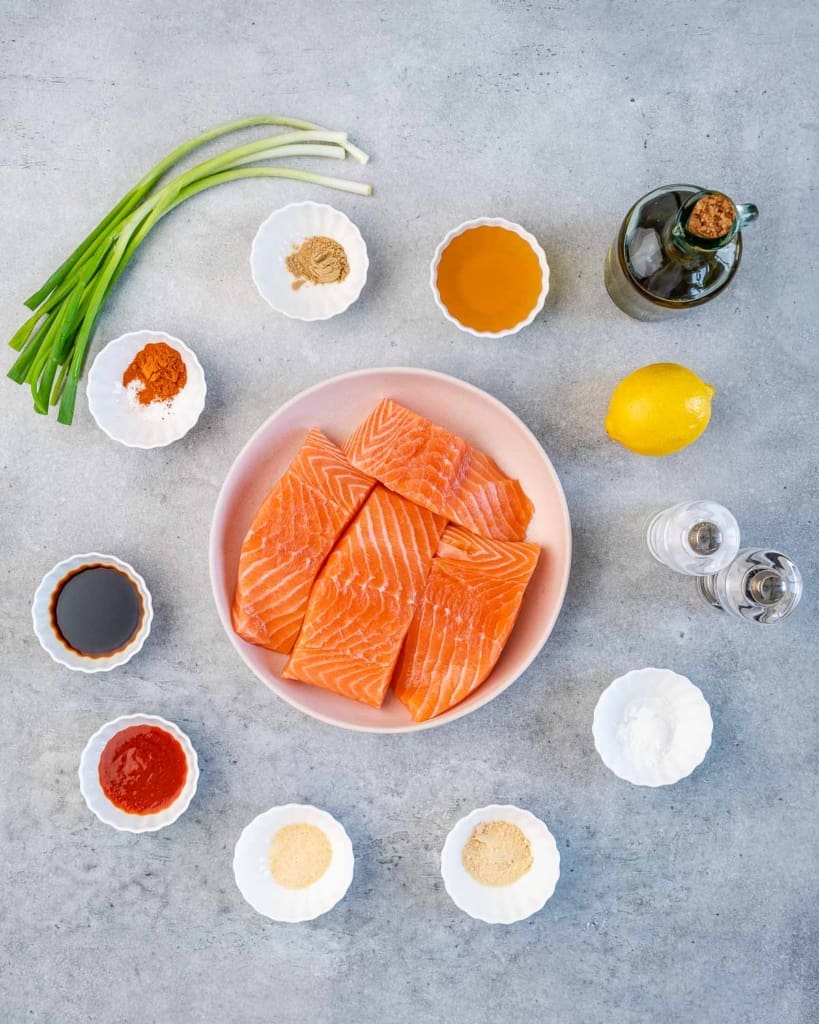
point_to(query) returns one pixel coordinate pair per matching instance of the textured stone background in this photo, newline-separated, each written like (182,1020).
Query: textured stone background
(691,904)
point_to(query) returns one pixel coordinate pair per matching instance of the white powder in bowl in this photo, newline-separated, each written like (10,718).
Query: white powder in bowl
(652,727)
(647,735)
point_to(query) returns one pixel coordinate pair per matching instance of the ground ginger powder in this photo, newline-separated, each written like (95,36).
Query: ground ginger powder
(299,855)
(497,853)
(318,260)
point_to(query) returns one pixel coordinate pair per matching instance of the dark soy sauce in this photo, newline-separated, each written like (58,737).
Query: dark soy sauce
(96,610)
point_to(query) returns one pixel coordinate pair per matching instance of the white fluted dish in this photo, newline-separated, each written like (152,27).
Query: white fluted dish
(282,233)
(508,225)
(55,646)
(117,411)
(666,713)
(99,803)
(509,903)
(258,886)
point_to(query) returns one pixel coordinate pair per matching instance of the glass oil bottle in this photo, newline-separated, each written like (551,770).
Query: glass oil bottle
(678,247)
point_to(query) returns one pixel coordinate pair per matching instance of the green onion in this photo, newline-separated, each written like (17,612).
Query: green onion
(53,342)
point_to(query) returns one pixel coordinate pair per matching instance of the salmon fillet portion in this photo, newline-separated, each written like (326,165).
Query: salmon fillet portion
(408,454)
(469,607)
(365,598)
(291,535)
(435,468)
(489,503)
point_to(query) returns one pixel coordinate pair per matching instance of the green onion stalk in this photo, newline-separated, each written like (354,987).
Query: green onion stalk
(53,342)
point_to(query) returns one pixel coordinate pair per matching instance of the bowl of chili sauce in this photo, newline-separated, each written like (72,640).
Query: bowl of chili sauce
(138,773)
(92,612)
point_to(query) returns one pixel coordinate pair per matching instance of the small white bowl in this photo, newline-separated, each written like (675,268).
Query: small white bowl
(282,232)
(492,222)
(56,647)
(262,891)
(670,715)
(116,409)
(99,803)
(509,903)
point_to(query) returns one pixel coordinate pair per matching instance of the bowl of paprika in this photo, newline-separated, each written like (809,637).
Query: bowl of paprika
(146,389)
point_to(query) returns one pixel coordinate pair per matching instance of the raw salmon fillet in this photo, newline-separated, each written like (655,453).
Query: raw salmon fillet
(365,598)
(292,534)
(469,606)
(437,469)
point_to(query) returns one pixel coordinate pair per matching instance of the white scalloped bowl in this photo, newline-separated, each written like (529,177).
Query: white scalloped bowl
(282,232)
(509,903)
(99,803)
(116,409)
(492,222)
(55,646)
(668,713)
(259,887)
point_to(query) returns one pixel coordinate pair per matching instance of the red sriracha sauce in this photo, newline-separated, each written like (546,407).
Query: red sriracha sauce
(143,769)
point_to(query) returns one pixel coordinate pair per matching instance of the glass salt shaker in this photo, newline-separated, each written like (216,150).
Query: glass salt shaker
(696,538)
(759,585)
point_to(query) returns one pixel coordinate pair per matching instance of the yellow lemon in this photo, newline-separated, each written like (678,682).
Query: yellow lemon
(659,409)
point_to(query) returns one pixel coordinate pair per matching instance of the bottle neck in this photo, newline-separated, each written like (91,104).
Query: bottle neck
(681,248)
(706,222)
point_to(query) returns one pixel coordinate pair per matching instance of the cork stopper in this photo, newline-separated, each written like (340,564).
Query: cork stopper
(712,217)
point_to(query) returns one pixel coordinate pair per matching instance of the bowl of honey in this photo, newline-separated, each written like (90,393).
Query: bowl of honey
(489,277)
(92,612)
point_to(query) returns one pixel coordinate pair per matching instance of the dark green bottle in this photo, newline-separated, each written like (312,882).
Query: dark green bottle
(677,248)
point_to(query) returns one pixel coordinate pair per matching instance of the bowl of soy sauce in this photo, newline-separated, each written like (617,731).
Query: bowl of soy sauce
(92,612)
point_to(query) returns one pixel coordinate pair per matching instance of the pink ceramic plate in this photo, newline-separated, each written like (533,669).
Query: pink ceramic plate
(337,406)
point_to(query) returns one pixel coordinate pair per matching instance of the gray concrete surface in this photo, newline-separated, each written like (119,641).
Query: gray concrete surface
(689,905)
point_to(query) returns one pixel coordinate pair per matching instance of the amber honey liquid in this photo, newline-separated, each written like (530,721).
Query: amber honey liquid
(489,278)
